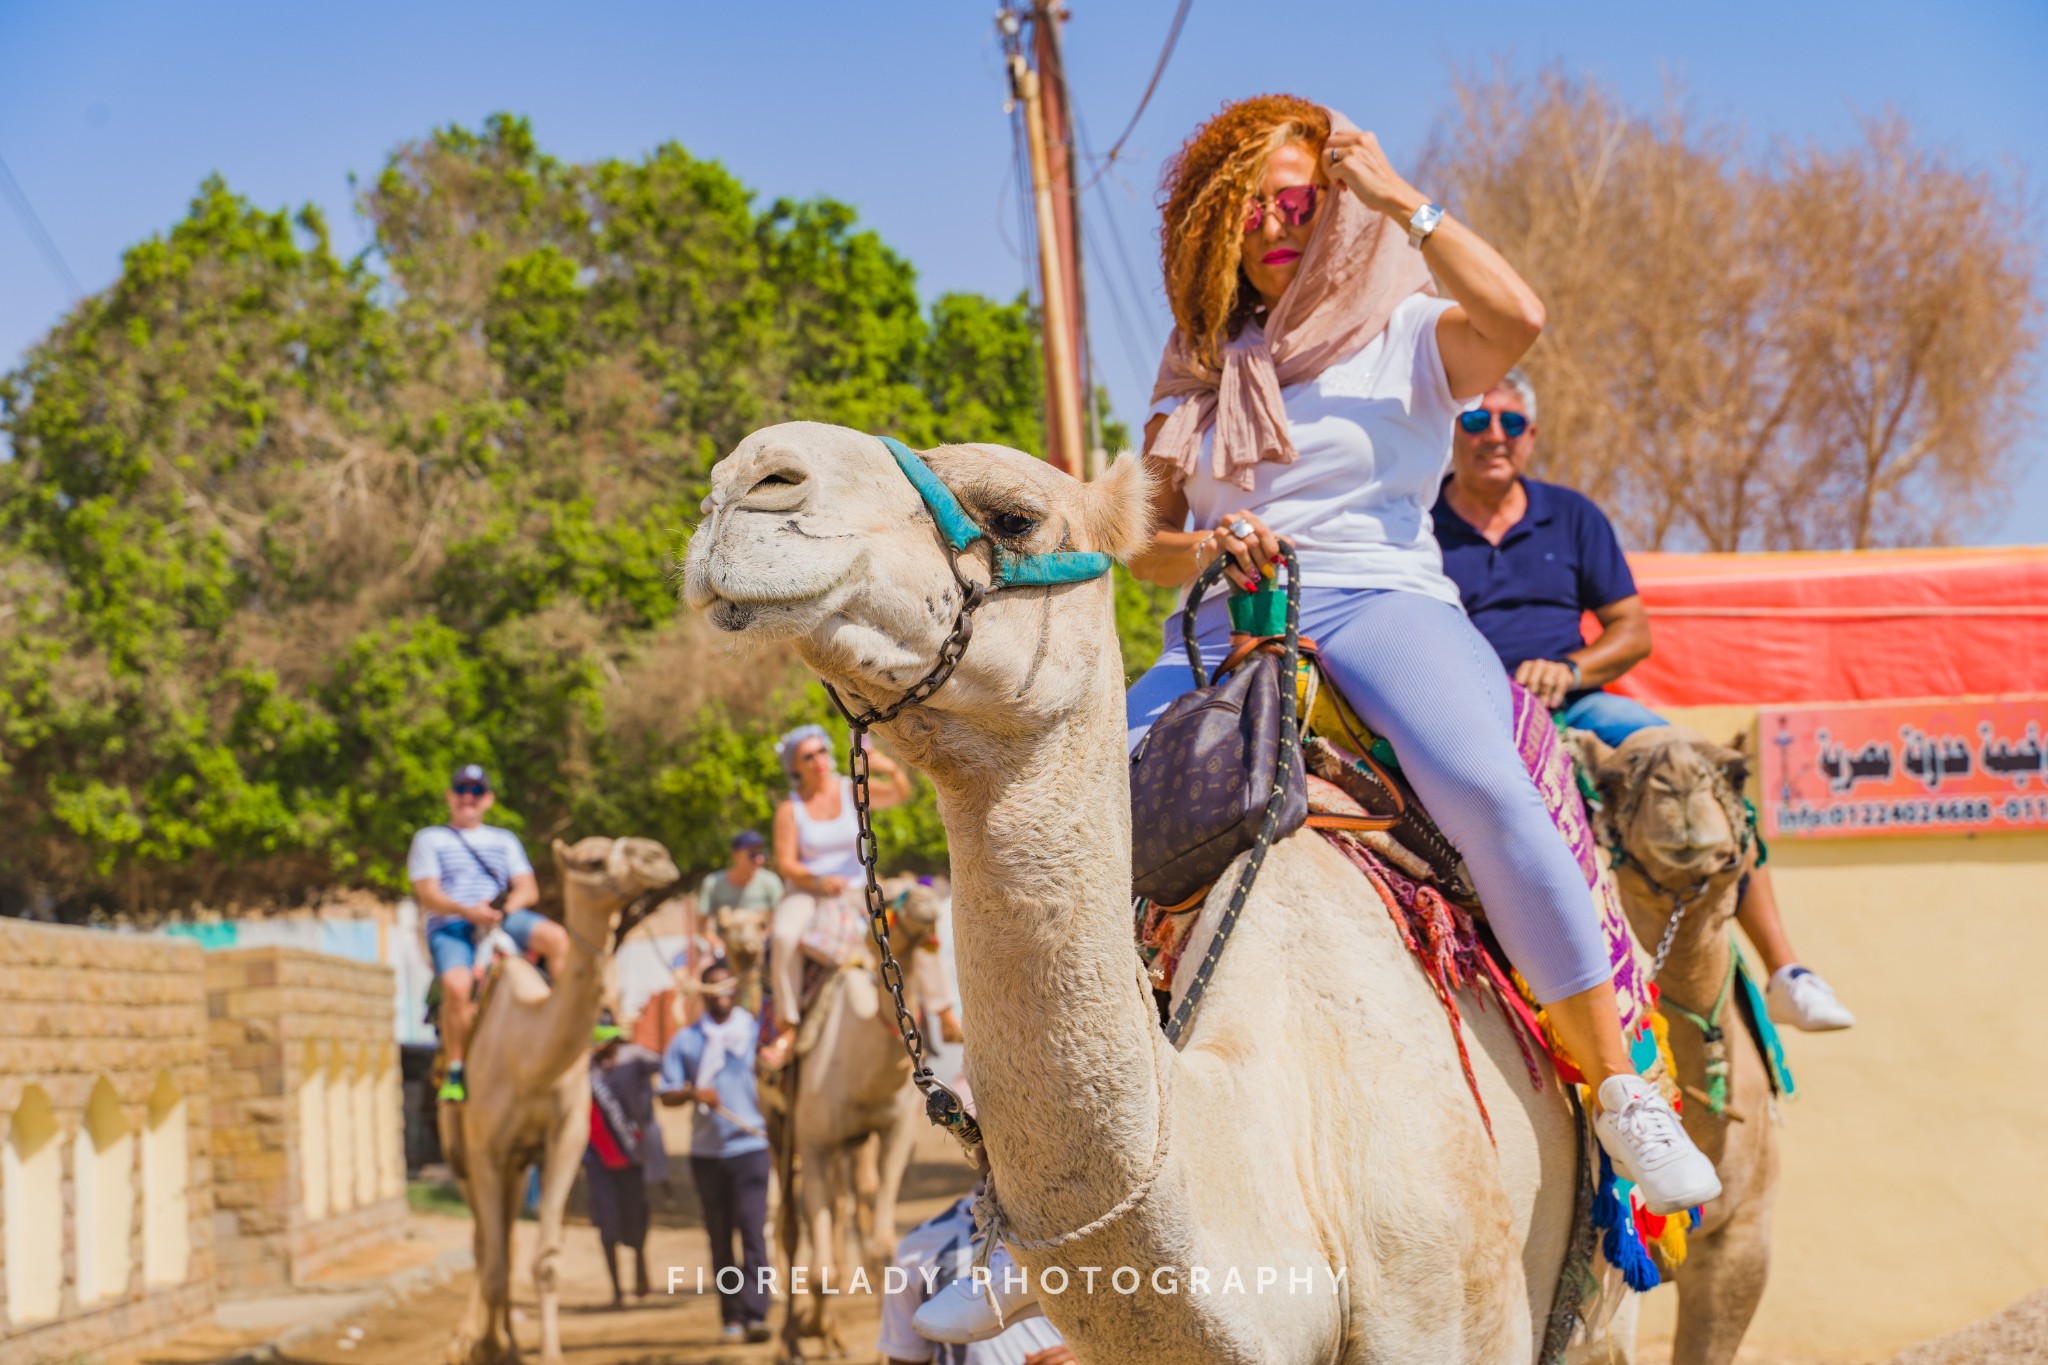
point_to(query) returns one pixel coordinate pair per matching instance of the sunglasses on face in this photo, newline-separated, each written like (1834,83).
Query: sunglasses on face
(1295,205)
(470,789)
(1477,422)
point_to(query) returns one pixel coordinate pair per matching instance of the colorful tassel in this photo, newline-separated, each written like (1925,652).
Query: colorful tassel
(1612,1211)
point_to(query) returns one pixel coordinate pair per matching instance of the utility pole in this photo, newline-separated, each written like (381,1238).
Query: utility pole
(1054,210)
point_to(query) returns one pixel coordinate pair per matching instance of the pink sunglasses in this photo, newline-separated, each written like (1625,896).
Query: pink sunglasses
(1296,205)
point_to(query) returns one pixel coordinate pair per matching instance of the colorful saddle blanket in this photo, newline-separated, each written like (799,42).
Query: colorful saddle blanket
(1455,954)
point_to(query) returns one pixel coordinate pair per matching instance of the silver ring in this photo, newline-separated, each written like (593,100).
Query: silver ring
(1242,530)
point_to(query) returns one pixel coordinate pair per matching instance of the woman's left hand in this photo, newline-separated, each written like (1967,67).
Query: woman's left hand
(1353,160)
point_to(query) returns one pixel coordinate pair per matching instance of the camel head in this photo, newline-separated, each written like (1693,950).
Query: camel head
(744,934)
(918,910)
(814,534)
(1672,800)
(602,876)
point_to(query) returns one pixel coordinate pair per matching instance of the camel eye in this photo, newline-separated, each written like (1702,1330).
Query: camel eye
(1012,525)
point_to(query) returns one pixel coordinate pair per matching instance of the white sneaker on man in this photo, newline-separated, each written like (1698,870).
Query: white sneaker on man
(1648,1145)
(964,1312)
(1799,998)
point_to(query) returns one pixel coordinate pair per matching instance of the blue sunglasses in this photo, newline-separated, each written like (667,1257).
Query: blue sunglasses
(1476,422)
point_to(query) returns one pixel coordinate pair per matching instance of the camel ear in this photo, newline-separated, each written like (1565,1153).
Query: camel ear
(1116,509)
(1590,751)
(561,852)
(1732,761)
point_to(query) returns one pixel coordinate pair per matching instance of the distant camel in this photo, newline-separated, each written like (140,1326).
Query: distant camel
(853,1085)
(528,1077)
(1672,800)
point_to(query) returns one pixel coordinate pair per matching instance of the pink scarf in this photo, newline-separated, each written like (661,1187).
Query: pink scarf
(1357,268)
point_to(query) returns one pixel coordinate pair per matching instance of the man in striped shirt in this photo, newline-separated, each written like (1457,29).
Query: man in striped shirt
(471,878)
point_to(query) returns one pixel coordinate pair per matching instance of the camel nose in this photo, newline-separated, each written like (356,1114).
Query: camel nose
(778,486)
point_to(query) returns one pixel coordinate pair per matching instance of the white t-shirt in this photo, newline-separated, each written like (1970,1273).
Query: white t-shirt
(438,852)
(1373,440)
(942,1242)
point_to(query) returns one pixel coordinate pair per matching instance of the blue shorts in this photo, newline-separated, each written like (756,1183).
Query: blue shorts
(451,942)
(1609,715)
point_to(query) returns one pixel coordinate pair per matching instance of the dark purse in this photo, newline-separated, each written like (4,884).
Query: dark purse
(1208,774)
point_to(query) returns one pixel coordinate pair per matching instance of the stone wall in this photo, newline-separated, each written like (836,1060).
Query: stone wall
(106,1232)
(308,1136)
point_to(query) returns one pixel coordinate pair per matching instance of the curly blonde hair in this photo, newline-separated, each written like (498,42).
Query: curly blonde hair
(1202,206)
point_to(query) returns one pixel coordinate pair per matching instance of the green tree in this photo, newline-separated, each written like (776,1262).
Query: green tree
(286,536)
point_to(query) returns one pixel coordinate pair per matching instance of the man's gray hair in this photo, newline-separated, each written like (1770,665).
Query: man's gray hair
(1519,383)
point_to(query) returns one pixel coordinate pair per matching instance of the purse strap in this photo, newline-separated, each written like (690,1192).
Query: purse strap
(1206,579)
(1290,748)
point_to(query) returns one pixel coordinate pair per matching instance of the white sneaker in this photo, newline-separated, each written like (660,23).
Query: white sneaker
(1802,1000)
(964,1311)
(1648,1145)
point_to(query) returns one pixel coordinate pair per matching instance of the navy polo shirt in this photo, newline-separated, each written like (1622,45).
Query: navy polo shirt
(1528,593)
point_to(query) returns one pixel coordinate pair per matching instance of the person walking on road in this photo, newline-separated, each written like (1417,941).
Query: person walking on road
(625,1154)
(711,1065)
(472,878)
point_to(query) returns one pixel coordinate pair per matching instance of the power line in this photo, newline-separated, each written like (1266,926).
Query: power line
(1180,17)
(45,243)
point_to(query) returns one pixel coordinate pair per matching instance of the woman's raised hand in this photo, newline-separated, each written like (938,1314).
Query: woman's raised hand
(1251,545)
(1354,160)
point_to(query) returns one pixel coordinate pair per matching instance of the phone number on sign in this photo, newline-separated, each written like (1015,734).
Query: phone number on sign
(1969,812)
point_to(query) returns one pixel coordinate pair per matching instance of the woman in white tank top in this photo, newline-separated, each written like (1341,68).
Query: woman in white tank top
(817,853)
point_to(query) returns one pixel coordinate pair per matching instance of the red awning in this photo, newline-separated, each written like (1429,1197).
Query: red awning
(1765,629)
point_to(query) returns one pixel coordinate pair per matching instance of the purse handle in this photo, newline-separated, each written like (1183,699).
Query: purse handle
(1206,579)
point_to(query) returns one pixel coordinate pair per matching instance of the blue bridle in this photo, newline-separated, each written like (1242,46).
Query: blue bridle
(1046,569)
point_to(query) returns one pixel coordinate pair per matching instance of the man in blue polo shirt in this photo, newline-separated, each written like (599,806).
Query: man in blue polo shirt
(1530,560)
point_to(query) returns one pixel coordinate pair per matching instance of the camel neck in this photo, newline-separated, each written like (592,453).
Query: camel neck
(1061,1049)
(1700,953)
(574,999)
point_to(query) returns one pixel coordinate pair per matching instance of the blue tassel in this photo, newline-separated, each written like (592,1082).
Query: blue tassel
(1694,1214)
(1619,1243)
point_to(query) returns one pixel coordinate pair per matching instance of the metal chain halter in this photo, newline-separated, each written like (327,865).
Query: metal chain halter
(941,1105)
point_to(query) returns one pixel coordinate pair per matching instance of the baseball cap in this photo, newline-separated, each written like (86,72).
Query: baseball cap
(747,838)
(470,772)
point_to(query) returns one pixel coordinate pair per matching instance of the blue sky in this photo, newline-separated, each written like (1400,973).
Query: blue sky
(111,113)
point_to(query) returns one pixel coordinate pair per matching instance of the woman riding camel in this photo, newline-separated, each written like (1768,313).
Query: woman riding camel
(1308,392)
(817,856)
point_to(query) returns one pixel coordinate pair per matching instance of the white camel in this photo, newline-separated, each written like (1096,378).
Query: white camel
(1315,1123)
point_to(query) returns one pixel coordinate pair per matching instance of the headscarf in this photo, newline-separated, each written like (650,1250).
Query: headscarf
(786,747)
(1357,268)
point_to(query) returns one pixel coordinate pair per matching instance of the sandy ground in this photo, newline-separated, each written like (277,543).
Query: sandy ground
(682,1328)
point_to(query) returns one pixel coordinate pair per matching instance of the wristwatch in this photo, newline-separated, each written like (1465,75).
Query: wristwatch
(1578,678)
(1423,223)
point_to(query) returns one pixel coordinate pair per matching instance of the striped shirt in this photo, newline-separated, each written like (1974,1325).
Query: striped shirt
(467,875)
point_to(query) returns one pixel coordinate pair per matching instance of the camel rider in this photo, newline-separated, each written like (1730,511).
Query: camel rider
(816,853)
(1329,324)
(1530,559)
(472,878)
(746,884)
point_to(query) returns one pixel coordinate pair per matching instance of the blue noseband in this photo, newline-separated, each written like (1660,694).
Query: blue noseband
(960,530)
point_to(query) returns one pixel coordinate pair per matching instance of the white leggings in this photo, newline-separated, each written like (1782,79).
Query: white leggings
(1419,673)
